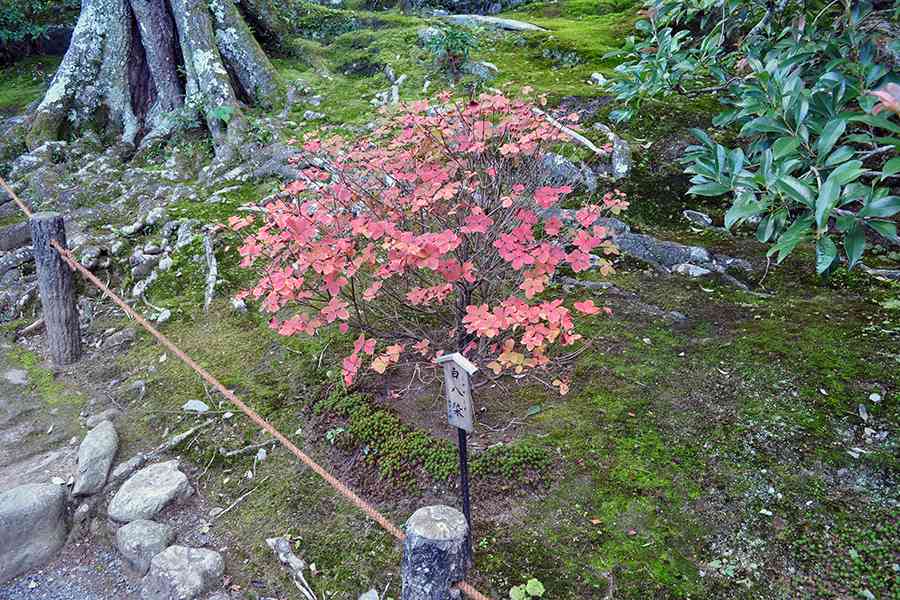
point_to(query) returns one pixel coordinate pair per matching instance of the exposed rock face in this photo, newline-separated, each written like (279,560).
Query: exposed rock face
(559,170)
(141,540)
(149,491)
(15,236)
(181,573)
(95,457)
(32,527)
(491,22)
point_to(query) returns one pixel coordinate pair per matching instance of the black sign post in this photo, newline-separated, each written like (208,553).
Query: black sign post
(461,414)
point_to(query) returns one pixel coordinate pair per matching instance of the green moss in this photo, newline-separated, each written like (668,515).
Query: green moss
(24,82)
(42,380)
(400,451)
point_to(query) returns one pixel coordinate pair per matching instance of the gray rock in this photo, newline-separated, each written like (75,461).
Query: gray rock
(146,266)
(598,79)
(32,527)
(181,573)
(370,595)
(90,257)
(491,22)
(141,540)
(690,270)
(698,218)
(195,406)
(559,170)
(149,491)
(120,338)
(185,233)
(426,34)
(311,115)
(166,263)
(481,69)
(620,161)
(157,215)
(660,252)
(95,457)
(110,414)
(15,236)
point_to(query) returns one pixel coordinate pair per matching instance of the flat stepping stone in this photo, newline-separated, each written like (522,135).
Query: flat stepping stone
(149,491)
(95,457)
(182,573)
(492,22)
(141,540)
(32,527)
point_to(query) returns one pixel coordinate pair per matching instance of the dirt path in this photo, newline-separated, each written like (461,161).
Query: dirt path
(39,437)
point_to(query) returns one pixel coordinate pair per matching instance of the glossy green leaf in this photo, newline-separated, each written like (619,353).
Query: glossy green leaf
(709,189)
(826,252)
(832,131)
(854,244)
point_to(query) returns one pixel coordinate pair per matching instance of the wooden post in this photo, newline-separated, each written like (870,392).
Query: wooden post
(57,288)
(435,553)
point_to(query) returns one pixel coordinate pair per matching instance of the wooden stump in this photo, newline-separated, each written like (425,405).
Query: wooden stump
(435,553)
(57,288)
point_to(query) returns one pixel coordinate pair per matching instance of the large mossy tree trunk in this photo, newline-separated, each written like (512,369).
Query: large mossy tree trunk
(144,68)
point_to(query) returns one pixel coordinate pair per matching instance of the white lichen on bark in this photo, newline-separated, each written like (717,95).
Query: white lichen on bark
(223,63)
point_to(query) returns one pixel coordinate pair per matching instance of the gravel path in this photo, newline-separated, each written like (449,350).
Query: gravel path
(83,572)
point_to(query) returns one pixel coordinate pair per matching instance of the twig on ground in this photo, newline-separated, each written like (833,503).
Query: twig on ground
(238,501)
(282,549)
(32,329)
(246,450)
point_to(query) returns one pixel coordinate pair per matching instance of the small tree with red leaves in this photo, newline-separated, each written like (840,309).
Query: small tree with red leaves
(433,234)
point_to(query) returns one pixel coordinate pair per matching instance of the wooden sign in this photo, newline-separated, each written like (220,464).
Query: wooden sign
(458,390)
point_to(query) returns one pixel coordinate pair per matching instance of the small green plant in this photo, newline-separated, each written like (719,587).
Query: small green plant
(332,435)
(451,48)
(531,589)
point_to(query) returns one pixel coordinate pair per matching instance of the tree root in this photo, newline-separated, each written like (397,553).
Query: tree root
(121,71)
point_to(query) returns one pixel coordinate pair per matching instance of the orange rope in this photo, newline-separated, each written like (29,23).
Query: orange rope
(335,483)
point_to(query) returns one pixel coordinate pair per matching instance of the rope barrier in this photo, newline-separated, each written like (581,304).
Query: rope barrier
(335,483)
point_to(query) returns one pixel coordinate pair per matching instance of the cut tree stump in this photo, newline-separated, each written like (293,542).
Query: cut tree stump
(57,288)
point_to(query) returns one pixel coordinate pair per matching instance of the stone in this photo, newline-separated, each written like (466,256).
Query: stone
(196,406)
(182,573)
(690,270)
(166,263)
(370,595)
(110,414)
(146,266)
(660,252)
(426,34)
(559,170)
(491,22)
(121,338)
(15,236)
(157,215)
(311,115)
(90,257)
(434,553)
(95,457)
(698,218)
(141,540)
(149,491)
(598,79)
(621,161)
(32,527)
(481,69)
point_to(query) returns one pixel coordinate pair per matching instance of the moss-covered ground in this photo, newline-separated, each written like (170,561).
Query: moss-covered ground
(720,456)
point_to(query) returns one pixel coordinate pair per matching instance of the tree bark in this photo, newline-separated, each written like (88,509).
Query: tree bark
(57,288)
(143,68)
